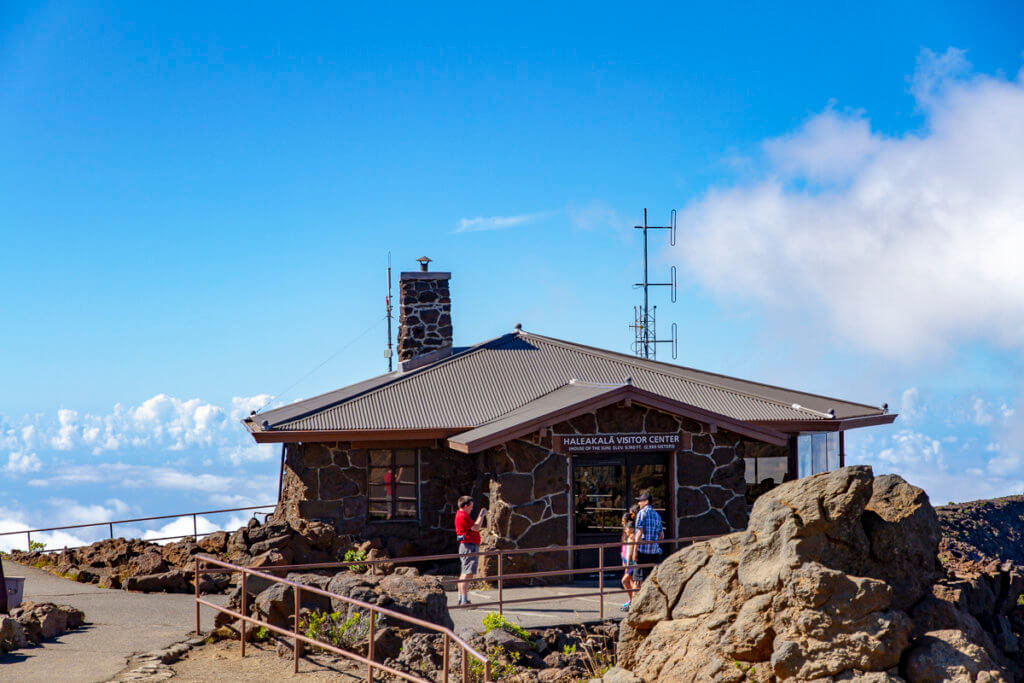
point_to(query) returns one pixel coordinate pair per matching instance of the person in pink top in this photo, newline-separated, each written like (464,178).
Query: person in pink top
(628,532)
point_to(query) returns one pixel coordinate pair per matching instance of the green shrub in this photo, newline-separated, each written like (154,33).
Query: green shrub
(329,627)
(493,620)
(569,649)
(262,634)
(36,545)
(500,668)
(355,555)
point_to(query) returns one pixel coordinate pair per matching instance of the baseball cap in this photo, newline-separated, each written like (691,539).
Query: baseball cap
(644,496)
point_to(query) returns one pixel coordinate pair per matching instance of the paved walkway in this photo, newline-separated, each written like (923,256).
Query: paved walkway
(565,607)
(120,625)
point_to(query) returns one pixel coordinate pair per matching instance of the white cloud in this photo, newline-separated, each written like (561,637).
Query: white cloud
(182,526)
(22,463)
(981,414)
(481,223)
(160,423)
(910,407)
(902,245)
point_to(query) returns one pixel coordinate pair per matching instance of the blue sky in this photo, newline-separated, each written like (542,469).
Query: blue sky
(198,203)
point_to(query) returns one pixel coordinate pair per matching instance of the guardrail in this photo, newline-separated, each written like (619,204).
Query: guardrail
(195,530)
(219,567)
(500,577)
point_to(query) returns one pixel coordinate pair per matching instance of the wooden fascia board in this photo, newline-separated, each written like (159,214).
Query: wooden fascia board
(523,428)
(646,398)
(355,435)
(838,425)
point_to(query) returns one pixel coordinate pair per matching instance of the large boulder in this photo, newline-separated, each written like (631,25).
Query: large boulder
(421,597)
(818,587)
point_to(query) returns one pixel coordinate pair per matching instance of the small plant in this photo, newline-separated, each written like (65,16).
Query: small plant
(262,634)
(1020,600)
(500,668)
(493,620)
(569,649)
(329,627)
(355,555)
(36,545)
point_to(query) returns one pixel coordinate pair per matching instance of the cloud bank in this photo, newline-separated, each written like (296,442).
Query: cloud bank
(902,246)
(162,423)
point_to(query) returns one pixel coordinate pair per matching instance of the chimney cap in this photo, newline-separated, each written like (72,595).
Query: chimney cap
(423,263)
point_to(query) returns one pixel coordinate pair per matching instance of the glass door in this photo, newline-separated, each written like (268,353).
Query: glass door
(604,488)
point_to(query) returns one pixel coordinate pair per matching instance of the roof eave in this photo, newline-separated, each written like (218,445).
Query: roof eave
(356,435)
(641,396)
(838,425)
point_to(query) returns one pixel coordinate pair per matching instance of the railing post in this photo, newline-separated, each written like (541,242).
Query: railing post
(298,644)
(198,633)
(369,649)
(501,581)
(600,580)
(445,678)
(195,529)
(111,529)
(465,665)
(29,535)
(487,670)
(245,609)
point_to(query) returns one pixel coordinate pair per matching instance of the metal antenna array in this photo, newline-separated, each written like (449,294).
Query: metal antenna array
(387,311)
(646,340)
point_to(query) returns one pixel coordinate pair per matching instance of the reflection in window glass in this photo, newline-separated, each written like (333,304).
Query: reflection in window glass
(819,459)
(817,452)
(803,449)
(832,450)
(392,484)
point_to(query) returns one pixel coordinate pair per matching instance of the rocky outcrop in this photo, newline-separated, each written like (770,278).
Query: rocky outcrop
(139,565)
(982,531)
(421,597)
(34,622)
(836,578)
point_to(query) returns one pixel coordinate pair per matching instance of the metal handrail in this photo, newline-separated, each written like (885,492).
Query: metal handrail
(195,530)
(501,577)
(300,639)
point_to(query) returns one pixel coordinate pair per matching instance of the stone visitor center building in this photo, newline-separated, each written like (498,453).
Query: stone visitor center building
(555,437)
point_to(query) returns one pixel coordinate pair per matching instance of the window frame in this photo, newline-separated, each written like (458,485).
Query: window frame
(394,500)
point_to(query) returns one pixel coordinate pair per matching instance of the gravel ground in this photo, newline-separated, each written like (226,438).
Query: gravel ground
(223,661)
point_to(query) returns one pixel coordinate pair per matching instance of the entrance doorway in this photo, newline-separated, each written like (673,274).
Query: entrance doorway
(604,487)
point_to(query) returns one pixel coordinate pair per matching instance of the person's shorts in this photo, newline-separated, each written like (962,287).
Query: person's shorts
(642,573)
(470,559)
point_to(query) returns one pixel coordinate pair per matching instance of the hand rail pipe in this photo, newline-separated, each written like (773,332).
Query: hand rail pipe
(299,640)
(110,525)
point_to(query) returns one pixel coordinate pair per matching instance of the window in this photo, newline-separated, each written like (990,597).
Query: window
(817,452)
(392,478)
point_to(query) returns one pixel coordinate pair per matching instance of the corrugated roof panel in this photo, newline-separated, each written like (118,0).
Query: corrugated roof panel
(494,378)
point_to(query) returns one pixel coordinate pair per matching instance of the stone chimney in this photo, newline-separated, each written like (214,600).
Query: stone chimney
(425,318)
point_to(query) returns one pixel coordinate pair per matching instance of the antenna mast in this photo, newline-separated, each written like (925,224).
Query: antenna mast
(387,310)
(645,343)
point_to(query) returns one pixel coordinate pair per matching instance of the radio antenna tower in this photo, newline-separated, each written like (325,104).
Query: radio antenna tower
(387,311)
(645,343)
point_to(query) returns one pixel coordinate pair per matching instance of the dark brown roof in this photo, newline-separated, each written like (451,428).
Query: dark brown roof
(483,383)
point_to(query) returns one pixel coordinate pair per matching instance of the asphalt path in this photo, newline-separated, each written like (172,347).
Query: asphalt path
(119,625)
(549,605)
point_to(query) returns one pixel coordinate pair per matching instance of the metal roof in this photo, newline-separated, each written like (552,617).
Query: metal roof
(482,383)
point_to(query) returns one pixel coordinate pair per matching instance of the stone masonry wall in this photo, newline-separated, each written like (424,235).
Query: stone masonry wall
(425,319)
(328,482)
(529,484)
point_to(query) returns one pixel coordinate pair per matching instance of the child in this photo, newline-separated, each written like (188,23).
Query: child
(628,531)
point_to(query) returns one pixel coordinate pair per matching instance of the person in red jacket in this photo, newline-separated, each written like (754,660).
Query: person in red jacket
(468,533)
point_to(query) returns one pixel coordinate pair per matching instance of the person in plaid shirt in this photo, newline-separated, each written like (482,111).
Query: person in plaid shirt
(648,528)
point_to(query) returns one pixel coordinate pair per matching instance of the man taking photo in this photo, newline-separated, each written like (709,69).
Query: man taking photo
(468,533)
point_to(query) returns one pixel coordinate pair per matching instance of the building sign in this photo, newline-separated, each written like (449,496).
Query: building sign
(618,443)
